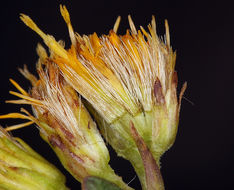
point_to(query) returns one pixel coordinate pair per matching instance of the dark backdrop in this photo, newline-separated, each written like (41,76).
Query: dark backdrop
(202,33)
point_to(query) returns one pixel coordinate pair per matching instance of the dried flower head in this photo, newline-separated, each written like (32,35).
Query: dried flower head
(116,74)
(64,122)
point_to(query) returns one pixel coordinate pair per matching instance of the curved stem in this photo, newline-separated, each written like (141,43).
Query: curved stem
(154,180)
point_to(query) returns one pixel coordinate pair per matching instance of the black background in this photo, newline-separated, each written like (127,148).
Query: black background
(202,33)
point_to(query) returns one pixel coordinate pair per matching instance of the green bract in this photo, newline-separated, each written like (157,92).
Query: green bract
(21,168)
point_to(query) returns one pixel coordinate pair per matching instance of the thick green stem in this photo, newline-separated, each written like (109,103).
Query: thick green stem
(153,176)
(109,175)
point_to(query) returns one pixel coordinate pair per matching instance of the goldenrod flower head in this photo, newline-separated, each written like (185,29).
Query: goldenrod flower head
(21,168)
(116,74)
(64,122)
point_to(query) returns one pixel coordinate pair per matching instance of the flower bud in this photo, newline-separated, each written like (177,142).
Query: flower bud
(21,168)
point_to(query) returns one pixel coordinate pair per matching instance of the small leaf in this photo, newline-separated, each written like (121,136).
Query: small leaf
(96,183)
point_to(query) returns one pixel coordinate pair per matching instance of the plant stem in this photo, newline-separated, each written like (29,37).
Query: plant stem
(154,180)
